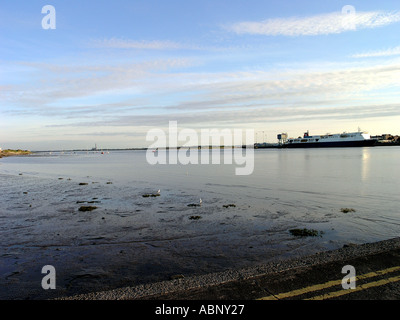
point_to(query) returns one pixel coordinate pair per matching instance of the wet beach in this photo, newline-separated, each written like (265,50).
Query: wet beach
(129,239)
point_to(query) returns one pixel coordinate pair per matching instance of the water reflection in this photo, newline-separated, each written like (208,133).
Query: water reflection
(365,164)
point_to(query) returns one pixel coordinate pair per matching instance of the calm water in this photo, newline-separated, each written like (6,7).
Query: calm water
(129,239)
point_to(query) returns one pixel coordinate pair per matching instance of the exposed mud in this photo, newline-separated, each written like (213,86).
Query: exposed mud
(126,239)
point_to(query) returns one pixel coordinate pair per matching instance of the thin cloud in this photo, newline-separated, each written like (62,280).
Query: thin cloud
(254,115)
(322,24)
(57,82)
(382,53)
(115,43)
(108,134)
(202,94)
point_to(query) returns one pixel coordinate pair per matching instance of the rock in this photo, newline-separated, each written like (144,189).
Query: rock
(194,217)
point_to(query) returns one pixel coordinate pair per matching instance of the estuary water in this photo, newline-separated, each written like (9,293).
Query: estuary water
(242,221)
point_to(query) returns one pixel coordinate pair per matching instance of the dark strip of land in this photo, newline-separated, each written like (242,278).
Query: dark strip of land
(9,153)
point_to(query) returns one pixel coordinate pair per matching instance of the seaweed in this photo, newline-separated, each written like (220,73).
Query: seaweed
(305,232)
(87,208)
(194,217)
(229,205)
(151,195)
(194,205)
(347,210)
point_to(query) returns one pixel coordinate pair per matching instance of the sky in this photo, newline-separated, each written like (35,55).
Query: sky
(111,71)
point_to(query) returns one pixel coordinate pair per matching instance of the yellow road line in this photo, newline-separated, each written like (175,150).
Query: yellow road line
(326,285)
(358,288)
(301,291)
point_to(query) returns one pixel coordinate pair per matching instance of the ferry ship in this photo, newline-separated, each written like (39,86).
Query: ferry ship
(353,139)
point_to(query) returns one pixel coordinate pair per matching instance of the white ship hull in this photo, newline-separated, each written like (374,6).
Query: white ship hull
(353,139)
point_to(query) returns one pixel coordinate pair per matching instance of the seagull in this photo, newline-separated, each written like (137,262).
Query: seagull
(201,201)
(159,191)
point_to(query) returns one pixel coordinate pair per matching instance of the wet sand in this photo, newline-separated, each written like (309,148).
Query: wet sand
(129,239)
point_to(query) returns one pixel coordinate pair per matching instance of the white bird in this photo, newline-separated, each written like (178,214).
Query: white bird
(201,201)
(159,191)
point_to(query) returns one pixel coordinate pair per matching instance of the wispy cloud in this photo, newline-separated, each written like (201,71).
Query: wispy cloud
(131,44)
(151,98)
(51,83)
(117,43)
(210,90)
(322,24)
(381,53)
(247,116)
(340,93)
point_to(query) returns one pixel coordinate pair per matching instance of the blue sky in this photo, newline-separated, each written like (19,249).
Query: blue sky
(113,70)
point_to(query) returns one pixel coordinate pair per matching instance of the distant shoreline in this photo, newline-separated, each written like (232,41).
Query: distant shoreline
(10,153)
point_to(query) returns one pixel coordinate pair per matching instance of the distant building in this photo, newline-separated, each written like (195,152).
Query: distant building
(386,138)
